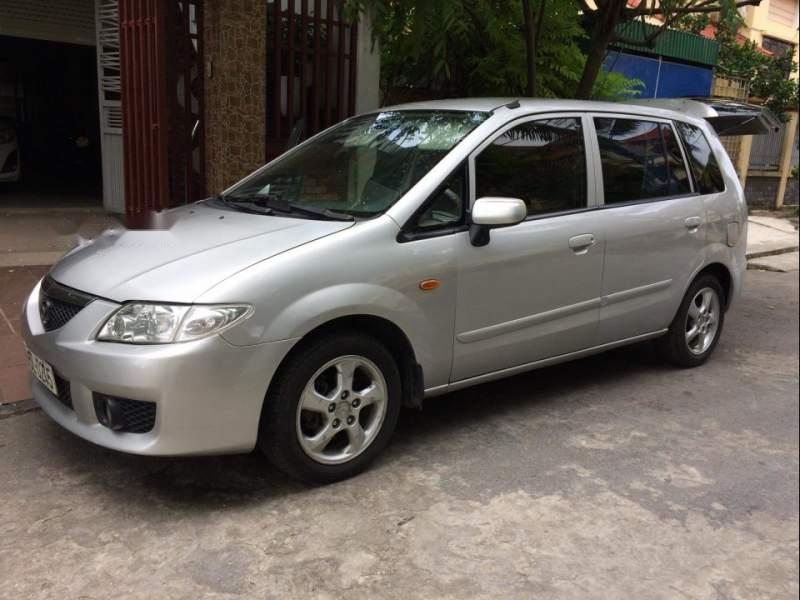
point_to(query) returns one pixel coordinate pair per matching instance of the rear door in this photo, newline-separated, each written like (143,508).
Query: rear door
(652,220)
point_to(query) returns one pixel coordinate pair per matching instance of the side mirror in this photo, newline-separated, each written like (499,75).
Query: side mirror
(489,213)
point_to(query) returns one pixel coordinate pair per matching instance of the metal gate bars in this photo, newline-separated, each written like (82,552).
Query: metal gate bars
(162,102)
(310,72)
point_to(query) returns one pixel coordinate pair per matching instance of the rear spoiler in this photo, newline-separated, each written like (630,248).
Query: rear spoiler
(727,117)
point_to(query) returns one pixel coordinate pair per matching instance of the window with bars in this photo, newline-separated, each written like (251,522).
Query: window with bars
(777,47)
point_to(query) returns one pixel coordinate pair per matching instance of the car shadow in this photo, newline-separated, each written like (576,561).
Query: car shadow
(539,389)
(214,482)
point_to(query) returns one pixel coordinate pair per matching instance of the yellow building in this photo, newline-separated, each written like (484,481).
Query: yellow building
(775,20)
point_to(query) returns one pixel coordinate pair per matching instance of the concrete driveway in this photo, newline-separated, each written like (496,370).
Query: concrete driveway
(614,477)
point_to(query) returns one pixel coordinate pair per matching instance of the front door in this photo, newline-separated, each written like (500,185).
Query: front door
(533,291)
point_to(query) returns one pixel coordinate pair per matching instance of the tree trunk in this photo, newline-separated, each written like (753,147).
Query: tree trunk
(530,70)
(607,21)
(537,31)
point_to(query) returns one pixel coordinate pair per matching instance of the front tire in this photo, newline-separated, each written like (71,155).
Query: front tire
(696,328)
(331,409)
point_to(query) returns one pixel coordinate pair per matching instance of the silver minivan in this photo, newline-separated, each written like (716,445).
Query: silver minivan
(398,255)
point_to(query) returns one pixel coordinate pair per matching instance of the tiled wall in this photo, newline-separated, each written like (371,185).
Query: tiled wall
(792,194)
(761,191)
(235,56)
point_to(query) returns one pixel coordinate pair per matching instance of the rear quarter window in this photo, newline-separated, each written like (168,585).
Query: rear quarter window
(705,169)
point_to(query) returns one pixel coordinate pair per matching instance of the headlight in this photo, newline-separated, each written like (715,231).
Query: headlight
(139,323)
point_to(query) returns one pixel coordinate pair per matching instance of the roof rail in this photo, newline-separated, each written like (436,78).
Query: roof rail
(510,105)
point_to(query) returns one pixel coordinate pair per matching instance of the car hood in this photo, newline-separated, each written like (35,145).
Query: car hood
(202,246)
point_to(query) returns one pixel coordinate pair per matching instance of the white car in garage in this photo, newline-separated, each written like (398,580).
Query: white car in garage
(10,170)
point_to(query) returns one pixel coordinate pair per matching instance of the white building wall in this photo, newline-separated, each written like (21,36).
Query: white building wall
(368,69)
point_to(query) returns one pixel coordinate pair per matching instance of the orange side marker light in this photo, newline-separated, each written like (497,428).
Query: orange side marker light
(427,285)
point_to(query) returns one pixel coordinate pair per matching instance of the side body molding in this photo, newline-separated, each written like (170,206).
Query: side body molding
(564,311)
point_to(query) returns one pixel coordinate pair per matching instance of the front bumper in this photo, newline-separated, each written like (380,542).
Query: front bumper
(208,393)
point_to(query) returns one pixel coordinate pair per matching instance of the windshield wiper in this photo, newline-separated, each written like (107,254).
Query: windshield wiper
(245,205)
(284,206)
(273,204)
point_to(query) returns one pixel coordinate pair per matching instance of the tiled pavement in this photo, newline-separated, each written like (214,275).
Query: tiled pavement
(15,284)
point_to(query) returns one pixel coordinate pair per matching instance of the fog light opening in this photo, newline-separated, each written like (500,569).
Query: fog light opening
(124,415)
(109,413)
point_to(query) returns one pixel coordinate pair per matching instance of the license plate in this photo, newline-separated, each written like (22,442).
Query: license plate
(43,372)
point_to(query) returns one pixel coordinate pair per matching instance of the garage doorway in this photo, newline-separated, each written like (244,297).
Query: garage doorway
(49,92)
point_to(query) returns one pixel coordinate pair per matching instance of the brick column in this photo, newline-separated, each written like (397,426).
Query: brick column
(235,54)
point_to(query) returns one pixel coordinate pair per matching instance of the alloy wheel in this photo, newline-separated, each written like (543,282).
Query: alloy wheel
(702,320)
(341,410)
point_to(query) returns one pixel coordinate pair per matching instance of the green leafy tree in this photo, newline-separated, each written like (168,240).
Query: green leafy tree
(769,76)
(603,17)
(483,47)
(772,83)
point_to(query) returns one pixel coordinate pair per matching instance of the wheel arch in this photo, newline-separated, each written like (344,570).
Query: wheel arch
(723,275)
(386,332)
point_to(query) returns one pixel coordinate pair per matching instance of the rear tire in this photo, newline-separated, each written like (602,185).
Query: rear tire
(331,409)
(697,326)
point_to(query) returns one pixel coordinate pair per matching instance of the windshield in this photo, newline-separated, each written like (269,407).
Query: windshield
(362,166)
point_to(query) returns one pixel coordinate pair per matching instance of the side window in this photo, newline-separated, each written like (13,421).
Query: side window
(541,162)
(446,207)
(640,160)
(707,176)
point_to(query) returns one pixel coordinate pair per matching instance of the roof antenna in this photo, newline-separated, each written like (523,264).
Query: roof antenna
(513,105)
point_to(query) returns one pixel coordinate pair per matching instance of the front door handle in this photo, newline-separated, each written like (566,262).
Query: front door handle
(580,244)
(692,223)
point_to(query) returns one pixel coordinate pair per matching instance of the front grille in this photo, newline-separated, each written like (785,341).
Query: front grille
(64,391)
(125,415)
(55,313)
(59,303)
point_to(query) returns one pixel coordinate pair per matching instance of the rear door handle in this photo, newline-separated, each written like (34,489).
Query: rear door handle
(580,244)
(692,223)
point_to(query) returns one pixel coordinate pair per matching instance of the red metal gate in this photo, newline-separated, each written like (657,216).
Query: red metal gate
(311,70)
(144,113)
(185,81)
(162,103)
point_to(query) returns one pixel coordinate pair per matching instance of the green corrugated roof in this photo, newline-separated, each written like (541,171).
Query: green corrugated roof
(671,43)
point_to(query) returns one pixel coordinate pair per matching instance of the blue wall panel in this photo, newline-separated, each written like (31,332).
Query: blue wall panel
(674,80)
(678,80)
(635,67)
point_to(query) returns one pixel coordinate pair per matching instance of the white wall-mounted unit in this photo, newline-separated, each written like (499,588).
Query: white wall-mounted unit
(109,86)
